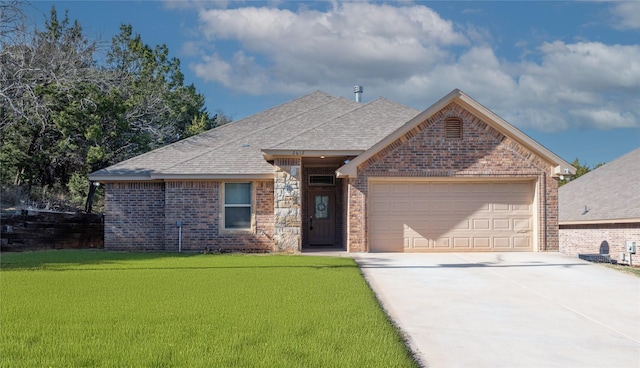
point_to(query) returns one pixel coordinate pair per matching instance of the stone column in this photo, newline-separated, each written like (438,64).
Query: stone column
(288,205)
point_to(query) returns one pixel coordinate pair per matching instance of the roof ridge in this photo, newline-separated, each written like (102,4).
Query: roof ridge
(397,103)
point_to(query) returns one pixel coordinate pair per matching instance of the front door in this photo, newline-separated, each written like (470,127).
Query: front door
(322,218)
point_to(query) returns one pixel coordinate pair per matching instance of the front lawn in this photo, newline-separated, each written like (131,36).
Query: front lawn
(96,308)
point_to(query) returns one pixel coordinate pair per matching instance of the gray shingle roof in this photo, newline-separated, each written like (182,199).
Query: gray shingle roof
(610,192)
(316,121)
(357,130)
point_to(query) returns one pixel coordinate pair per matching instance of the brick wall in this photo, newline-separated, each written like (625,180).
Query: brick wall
(196,204)
(134,216)
(143,216)
(597,238)
(482,152)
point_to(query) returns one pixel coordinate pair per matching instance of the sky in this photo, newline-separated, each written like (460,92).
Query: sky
(565,73)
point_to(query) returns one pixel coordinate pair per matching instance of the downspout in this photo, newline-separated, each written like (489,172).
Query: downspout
(544,213)
(179,225)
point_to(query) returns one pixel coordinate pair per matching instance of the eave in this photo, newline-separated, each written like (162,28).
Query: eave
(270,154)
(169,177)
(601,221)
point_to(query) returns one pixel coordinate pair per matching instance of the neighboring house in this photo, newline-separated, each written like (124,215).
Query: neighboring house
(328,171)
(600,211)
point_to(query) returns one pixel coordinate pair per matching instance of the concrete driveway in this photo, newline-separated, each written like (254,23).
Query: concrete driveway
(509,309)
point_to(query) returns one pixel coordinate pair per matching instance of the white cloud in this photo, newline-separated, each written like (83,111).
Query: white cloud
(348,42)
(412,55)
(627,15)
(606,118)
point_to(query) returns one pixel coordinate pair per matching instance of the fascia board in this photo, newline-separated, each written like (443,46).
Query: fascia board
(211,176)
(595,222)
(118,178)
(270,154)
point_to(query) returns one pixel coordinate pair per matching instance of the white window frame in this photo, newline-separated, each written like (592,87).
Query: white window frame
(224,206)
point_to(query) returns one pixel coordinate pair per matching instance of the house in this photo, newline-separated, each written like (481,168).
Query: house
(328,171)
(600,211)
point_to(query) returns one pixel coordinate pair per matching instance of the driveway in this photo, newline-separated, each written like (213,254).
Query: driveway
(509,309)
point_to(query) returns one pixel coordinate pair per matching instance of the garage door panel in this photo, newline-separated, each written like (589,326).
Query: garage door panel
(420,243)
(462,242)
(400,188)
(399,206)
(463,225)
(501,224)
(501,242)
(380,206)
(442,243)
(481,243)
(379,189)
(435,188)
(520,224)
(428,216)
(522,243)
(481,224)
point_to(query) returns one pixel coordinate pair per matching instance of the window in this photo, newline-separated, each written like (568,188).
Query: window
(453,128)
(237,206)
(322,180)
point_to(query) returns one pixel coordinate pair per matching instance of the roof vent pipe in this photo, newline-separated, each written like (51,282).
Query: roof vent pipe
(358,91)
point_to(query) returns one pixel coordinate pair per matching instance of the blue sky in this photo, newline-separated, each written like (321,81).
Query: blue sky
(565,73)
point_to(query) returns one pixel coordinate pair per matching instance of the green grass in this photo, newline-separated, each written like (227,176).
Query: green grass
(106,309)
(626,269)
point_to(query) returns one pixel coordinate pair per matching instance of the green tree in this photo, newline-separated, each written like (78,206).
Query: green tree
(47,75)
(62,115)
(581,169)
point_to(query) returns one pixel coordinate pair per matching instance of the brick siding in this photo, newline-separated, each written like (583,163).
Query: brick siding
(134,216)
(482,152)
(143,216)
(599,238)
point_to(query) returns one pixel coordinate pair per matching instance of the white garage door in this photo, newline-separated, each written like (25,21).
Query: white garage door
(450,216)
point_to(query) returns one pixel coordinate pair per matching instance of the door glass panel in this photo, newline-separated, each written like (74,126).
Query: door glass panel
(322,206)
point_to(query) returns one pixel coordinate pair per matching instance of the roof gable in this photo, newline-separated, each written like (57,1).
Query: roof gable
(467,103)
(609,193)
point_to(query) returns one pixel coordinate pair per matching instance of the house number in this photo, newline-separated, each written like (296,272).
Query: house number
(297,153)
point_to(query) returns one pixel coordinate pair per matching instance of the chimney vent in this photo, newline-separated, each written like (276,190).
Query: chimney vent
(358,91)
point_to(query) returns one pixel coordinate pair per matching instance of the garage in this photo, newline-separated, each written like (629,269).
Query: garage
(451,216)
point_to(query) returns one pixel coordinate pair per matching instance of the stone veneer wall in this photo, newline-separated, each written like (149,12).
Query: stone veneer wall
(482,152)
(287,207)
(134,216)
(143,216)
(589,238)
